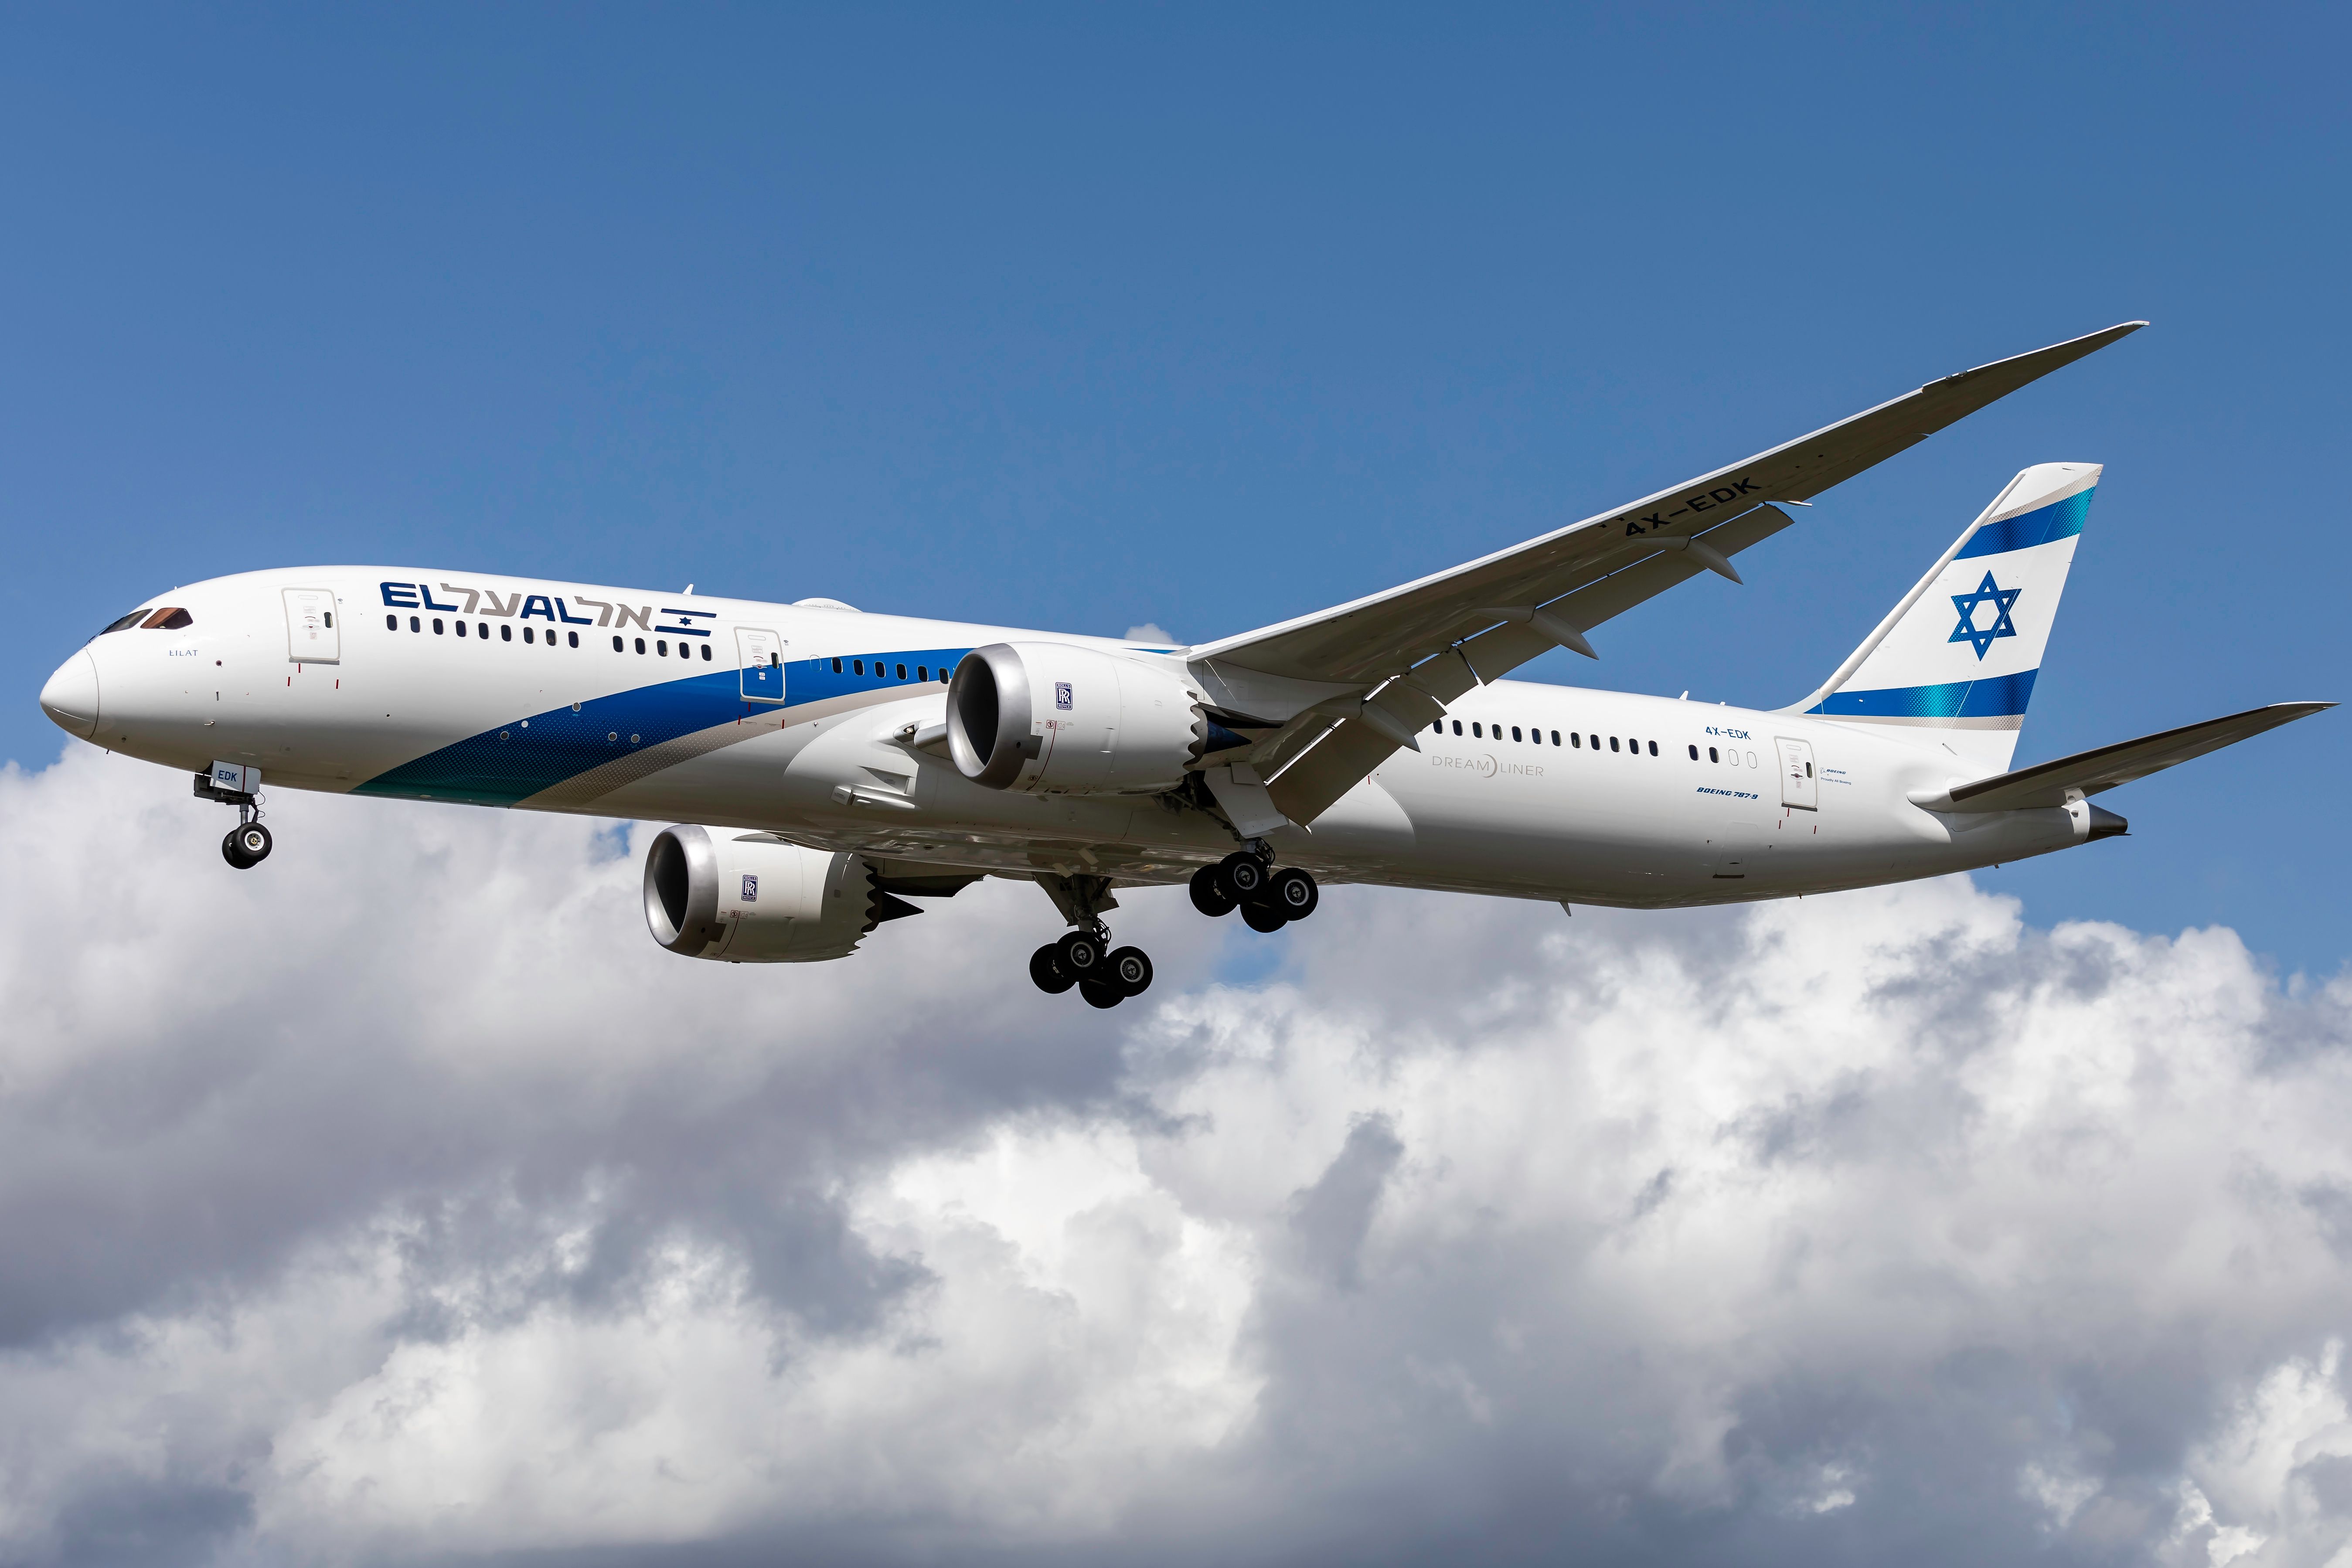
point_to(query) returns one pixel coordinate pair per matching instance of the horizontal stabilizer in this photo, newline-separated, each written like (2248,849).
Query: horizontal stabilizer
(2088,772)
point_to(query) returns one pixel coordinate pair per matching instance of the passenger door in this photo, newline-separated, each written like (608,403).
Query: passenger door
(1798,788)
(312,635)
(760,654)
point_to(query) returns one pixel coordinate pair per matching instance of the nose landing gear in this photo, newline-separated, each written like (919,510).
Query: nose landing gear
(246,846)
(248,843)
(1267,899)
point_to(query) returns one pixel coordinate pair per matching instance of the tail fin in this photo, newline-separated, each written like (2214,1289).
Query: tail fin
(1958,655)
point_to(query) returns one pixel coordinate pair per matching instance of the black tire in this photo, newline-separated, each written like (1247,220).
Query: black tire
(1263,917)
(252,841)
(1130,970)
(1241,877)
(234,854)
(1047,971)
(1294,892)
(1079,955)
(1099,994)
(1209,892)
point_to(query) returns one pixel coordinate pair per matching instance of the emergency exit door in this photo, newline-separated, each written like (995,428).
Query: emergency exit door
(761,655)
(1798,788)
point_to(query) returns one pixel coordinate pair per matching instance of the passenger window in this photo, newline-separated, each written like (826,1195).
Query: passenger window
(705,654)
(1576,739)
(1596,743)
(461,628)
(616,645)
(1654,748)
(436,625)
(836,666)
(1711,755)
(482,630)
(526,634)
(902,671)
(1476,730)
(1514,732)
(506,634)
(1457,726)
(1438,728)
(640,642)
(1694,753)
(392,623)
(127,622)
(661,647)
(414,625)
(573,639)
(1612,742)
(1808,770)
(1555,737)
(922,672)
(857,664)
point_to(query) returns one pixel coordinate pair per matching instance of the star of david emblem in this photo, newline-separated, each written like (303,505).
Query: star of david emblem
(1988,593)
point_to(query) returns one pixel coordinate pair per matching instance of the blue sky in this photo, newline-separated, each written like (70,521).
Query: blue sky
(1082,317)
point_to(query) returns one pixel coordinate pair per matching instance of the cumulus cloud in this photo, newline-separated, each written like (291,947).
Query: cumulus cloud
(400,1200)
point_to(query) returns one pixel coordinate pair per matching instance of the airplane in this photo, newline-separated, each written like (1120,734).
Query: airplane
(822,766)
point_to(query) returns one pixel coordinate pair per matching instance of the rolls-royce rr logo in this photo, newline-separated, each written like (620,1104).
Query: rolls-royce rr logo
(1062,694)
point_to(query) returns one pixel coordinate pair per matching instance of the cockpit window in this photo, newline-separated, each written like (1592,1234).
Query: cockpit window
(170,618)
(132,619)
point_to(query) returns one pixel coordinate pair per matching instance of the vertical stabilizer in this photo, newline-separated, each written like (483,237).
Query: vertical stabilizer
(1956,659)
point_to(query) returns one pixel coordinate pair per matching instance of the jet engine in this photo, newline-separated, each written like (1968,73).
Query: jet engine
(1057,718)
(749,897)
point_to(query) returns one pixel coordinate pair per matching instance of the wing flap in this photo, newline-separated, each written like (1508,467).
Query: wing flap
(2089,772)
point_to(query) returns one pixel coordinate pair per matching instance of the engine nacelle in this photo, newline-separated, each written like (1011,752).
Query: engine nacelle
(746,898)
(1054,718)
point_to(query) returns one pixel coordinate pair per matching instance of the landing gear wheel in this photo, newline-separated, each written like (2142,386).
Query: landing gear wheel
(1046,969)
(1263,917)
(1080,956)
(1100,994)
(246,847)
(1294,892)
(1130,971)
(1241,876)
(1209,894)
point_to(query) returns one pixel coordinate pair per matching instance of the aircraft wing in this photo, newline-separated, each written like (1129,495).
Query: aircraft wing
(2048,784)
(1429,641)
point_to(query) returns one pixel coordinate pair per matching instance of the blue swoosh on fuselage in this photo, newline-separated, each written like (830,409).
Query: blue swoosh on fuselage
(530,755)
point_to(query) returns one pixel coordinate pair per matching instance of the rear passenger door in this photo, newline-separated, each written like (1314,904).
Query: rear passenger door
(760,655)
(1798,788)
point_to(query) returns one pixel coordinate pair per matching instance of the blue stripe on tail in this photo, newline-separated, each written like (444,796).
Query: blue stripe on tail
(2059,520)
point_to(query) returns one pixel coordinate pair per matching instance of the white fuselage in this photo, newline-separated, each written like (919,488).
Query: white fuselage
(1678,803)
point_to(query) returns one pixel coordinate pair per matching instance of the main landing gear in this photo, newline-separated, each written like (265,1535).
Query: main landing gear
(1267,899)
(248,843)
(1105,975)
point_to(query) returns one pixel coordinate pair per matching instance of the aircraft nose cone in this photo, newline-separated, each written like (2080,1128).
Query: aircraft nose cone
(70,698)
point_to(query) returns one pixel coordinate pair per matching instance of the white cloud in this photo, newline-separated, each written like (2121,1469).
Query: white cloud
(1149,632)
(400,1198)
